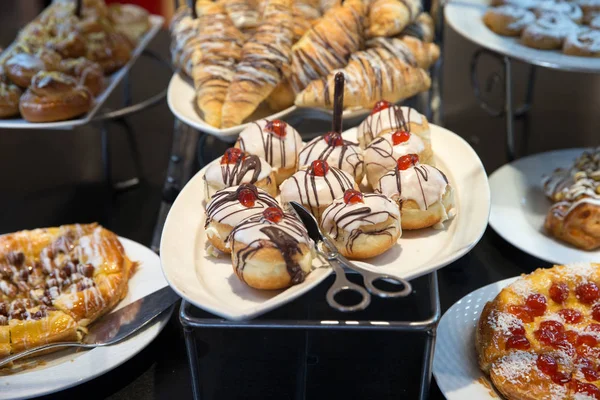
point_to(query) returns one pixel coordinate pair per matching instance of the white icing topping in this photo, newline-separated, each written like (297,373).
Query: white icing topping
(315,190)
(381,155)
(348,158)
(232,212)
(375,210)
(520,16)
(216,171)
(422,184)
(552,25)
(584,39)
(249,232)
(387,120)
(351,135)
(26,61)
(277,151)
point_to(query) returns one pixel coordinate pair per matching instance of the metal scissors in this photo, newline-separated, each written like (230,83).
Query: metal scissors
(328,250)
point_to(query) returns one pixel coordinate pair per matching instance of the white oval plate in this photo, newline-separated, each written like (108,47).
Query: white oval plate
(519,207)
(465,17)
(211,284)
(65,369)
(455,362)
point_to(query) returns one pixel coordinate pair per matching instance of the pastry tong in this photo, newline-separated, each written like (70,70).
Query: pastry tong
(329,252)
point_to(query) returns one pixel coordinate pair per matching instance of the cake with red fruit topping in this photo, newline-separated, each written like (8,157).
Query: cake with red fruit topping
(271,250)
(316,186)
(362,225)
(230,206)
(540,337)
(387,118)
(422,192)
(337,151)
(276,142)
(236,167)
(382,154)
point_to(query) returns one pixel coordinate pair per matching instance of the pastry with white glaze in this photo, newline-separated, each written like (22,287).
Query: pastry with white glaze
(362,225)
(422,192)
(337,151)
(271,250)
(275,141)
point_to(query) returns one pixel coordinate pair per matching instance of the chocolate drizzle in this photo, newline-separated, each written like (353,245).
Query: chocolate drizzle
(270,142)
(374,124)
(422,174)
(337,186)
(348,151)
(234,173)
(227,199)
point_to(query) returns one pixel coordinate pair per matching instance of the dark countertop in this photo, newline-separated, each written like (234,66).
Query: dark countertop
(55,177)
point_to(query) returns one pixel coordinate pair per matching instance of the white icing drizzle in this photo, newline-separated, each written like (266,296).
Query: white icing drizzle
(348,157)
(553,25)
(224,206)
(249,232)
(520,16)
(390,119)
(381,154)
(421,183)
(585,39)
(279,152)
(216,171)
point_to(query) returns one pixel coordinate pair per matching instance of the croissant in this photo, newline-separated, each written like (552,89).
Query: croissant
(422,29)
(243,13)
(305,13)
(390,17)
(327,5)
(281,97)
(328,45)
(218,48)
(426,54)
(371,75)
(265,62)
(185,43)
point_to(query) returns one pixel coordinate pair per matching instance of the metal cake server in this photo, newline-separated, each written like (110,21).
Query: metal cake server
(328,250)
(116,326)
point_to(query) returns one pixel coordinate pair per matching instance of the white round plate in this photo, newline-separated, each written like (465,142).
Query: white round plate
(209,283)
(519,207)
(465,17)
(455,362)
(67,368)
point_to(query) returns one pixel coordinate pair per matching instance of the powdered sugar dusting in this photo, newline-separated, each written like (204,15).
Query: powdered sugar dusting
(584,270)
(557,392)
(521,287)
(503,322)
(554,317)
(516,366)
(582,396)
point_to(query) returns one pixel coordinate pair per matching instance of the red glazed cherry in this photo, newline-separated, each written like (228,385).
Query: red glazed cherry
(247,197)
(381,105)
(352,196)
(407,161)
(596,312)
(586,340)
(590,374)
(587,293)
(517,330)
(550,333)
(593,328)
(276,127)
(571,337)
(521,312)
(547,364)
(560,378)
(333,139)
(518,342)
(273,214)
(537,304)
(559,292)
(583,362)
(587,388)
(400,137)
(319,167)
(232,155)
(571,316)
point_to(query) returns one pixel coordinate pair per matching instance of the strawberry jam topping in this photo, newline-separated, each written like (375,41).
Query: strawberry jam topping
(407,161)
(319,168)
(518,342)
(571,316)
(273,214)
(521,312)
(381,105)
(352,196)
(276,127)
(547,364)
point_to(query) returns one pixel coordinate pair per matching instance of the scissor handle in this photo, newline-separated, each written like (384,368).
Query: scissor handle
(370,277)
(342,284)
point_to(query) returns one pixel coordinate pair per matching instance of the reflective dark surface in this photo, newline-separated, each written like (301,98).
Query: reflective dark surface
(51,178)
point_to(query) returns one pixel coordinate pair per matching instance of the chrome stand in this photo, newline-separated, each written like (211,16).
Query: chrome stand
(509,112)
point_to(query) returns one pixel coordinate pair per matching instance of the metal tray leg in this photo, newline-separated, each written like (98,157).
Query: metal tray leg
(190,345)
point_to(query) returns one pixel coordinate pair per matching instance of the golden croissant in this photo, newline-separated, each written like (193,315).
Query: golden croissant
(265,63)
(371,75)
(328,44)
(184,43)
(327,5)
(426,54)
(305,13)
(243,13)
(390,17)
(219,48)
(422,28)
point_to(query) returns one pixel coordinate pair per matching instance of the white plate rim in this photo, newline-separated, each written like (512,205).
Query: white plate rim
(156,22)
(171,260)
(464,16)
(442,332)
(536,243)
(99,360)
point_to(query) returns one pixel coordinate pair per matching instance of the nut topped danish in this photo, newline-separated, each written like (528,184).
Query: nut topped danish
(271,250)
(237,167)
(422,192)
(337,151)
(55,281)
(275,141)
(316,187)
(362,225)
(231,206)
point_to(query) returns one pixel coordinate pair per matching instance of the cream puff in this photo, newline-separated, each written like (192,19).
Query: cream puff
(316,187)
(337,151)
(387,117)
(362,225)
(422,192)
(275,141)
(235,168)
(383,152)
(231,206)
(271,250)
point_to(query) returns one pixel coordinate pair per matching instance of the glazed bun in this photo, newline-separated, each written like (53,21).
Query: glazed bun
(21,67)
(9,98)
(88,73)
